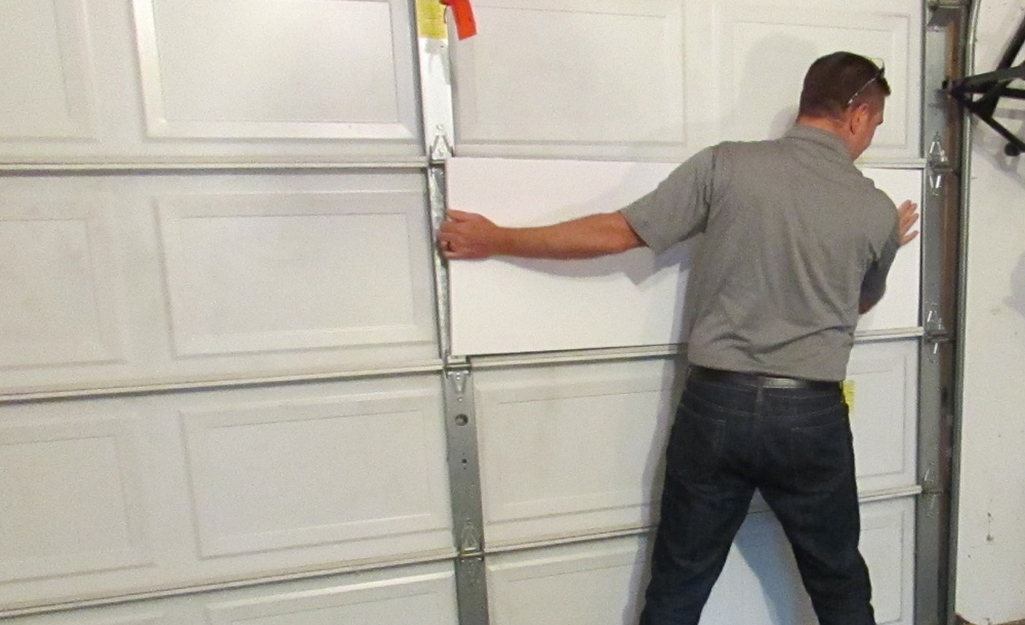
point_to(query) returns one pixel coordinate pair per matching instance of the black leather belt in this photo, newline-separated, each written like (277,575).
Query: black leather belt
(757,380)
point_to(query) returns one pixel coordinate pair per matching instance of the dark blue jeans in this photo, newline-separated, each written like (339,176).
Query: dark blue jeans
(794,445)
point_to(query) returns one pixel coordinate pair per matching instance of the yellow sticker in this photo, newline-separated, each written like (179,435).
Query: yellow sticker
(430,19)
(848,395)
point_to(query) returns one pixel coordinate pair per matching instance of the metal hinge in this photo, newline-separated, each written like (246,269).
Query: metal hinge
(441,147)
(936,331)
(939,165)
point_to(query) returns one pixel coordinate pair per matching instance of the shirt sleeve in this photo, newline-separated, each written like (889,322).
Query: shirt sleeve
(874,284)
(678,208)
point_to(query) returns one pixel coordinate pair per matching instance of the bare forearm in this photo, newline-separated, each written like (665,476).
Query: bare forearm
(586,237)
(470,236)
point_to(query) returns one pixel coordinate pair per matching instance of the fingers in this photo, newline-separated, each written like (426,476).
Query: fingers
(449,242)
(458,255)
(465,236)
(907,209)
(908,238)
(454,215)
(455,250)
(907,216)
(451,245)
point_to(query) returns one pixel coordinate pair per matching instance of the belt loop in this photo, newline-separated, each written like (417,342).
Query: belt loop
(759,394)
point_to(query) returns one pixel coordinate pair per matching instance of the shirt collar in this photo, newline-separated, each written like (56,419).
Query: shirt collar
(820,137)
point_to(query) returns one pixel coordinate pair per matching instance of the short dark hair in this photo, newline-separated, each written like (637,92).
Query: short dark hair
(838,81)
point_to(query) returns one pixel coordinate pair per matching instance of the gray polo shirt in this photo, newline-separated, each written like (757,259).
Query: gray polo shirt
(794,234)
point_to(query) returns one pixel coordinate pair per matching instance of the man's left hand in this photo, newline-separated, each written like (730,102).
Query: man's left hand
(907,216)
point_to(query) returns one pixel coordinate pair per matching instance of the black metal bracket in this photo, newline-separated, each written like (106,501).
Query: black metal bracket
(992,86)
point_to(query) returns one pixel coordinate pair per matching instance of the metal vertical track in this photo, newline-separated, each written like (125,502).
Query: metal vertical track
(436,193)
(438,133)
(460,418)
(467,516)
(969,30)
(939,231)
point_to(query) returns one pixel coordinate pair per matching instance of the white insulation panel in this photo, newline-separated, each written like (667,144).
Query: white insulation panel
(506,305)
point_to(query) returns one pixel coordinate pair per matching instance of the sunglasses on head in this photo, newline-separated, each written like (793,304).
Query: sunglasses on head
(875,77)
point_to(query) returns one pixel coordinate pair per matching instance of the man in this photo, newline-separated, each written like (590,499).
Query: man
(798,243)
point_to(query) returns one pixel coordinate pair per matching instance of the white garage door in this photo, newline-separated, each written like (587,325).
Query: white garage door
(239,386)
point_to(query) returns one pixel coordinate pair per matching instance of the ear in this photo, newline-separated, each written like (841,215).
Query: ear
(859,116)
(849,122)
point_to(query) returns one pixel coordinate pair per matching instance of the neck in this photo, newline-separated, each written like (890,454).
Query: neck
(832,126)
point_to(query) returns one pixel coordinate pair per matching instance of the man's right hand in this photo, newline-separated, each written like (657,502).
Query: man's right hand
(468,236)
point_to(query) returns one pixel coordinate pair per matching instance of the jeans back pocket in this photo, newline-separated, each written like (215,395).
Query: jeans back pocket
(821,454)
(695,446)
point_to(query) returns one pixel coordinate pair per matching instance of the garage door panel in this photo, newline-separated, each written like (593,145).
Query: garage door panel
(403,596)
(887,542)
(322,69)
(257,265)
(125,280)
(61,293)
(604,581)
(760,582)
(407,595)
(576,584)
(659,81)
(133,615)
(303,472)
(577,449)
(573,449)
(110,497)
(75,496)
(883,392)
(47,74)
(759,103)
(153,81)
(582,77)
(300,477)
(250,273)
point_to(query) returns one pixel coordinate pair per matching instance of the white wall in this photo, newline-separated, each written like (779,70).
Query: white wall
(991,533)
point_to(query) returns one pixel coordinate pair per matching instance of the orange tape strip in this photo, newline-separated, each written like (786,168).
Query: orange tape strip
(466,25)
